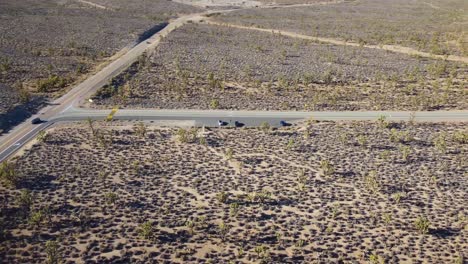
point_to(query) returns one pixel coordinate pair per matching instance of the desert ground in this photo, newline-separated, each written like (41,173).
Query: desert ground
(204,66)
(316,192)
(168,192)
(47,46)
(436,26)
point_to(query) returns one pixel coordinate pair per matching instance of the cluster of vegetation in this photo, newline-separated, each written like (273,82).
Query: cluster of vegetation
(51,84)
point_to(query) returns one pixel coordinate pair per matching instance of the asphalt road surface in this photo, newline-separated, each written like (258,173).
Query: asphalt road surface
(210,118)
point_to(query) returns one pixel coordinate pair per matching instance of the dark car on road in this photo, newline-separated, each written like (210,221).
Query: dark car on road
(36,121)
(285,124)
(239,124)
(222,123)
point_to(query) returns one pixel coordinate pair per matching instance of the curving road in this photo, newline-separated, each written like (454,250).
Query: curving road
(66,108)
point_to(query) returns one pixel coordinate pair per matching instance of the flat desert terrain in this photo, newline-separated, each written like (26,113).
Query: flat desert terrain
(347,192)
(204,66)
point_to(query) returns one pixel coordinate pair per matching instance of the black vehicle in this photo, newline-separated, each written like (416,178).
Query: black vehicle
(222,123)
(285,124)
(239,124)
(36,121)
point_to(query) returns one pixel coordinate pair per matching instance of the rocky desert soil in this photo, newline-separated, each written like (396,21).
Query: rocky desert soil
(347,192)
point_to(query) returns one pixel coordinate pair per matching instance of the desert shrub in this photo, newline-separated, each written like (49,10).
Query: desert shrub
(265,127)
(405,152)
(25,200)
(327,167)
(187,135)
(375,259)
(222,197)
(387,217)
(461,137)
(24,95)
(140,129)
(214,104)
(397,197)
(106,91)
(36,218)
(400,136)
(51,84)
(382,121)
(262,253)
(234,209)
(5,65)
(371,182)
(111,197)
(438,69)
(3,229)
(42,136)
(263,196)
(8,174)
(229,154)
(290,144)
(440,143)
(146,230)
(362,140)
(223,230)
(422,224)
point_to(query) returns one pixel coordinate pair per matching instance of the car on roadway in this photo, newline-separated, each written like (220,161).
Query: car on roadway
(222,123)
(238,124)
(36,121)
(285,124)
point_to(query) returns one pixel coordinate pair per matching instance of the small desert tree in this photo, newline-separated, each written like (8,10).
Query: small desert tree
(91,125)
(223,230)
(140,129)
(371,182)
(327,167)
(440,143)
(8,174)
(422,224)
(42,136)
(53,252)
(265,127)
(146,230)
(25,200)
(229,154)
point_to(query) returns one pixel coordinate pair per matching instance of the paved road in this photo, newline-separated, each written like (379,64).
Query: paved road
(210,118)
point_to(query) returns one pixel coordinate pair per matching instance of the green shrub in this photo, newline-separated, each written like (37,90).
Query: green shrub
(422,224)
(8,174)
(146,230)
(51,84)
(52,251)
